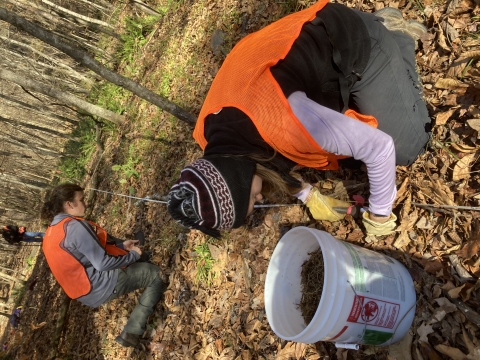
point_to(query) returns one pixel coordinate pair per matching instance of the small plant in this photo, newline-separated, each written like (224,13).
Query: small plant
(18,292)
(78,152)
(128,169)
(30,261)
(110,96)
(204,264)
(136,31)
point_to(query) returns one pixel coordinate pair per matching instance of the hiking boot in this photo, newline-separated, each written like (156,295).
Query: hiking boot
(415,29)
(128,340)
(393,21)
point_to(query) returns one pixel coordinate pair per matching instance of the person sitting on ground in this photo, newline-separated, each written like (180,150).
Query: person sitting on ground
(14,234)
(94,267)
(311,89)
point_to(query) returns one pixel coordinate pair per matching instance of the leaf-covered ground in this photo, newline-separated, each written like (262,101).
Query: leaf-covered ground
(222,315)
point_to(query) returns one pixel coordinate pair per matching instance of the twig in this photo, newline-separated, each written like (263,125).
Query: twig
(471,314)
(472,208)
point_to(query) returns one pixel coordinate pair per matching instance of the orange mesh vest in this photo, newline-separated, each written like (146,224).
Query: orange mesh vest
(69,272)
(245,82)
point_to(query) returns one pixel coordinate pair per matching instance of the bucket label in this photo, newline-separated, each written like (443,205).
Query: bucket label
(374,312)
(375,274)
(374,337)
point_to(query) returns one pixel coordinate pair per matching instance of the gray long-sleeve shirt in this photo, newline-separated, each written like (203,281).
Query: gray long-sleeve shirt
(102,268)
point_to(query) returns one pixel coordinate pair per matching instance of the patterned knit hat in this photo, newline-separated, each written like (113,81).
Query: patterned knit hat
(212,193)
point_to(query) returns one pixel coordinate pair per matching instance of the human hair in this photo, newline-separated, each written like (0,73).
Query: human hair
(274,186)
(58,197)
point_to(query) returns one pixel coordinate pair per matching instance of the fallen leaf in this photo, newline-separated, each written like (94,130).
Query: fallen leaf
(468,343)
(424,223)
(464,148)
(299,350)
(342,354)
(461,169)
(428,353)
(455,293)
(474,124)
(287,352)
(402,191)
(469,54)
(215,251)
(449,84)
(453,353)
(402,240)
(473,245)
(423,330)
(475,355)
(461,271)
(402,350)
(431,267)
(443,117)
(38,326)
(156,347)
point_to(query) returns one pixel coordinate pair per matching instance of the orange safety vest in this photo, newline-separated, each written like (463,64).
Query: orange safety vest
(245,82)
(69,272)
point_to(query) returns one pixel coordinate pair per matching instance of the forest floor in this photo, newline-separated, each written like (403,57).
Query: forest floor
(214,301)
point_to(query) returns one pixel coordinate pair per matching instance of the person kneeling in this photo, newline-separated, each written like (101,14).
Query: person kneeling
(93,267)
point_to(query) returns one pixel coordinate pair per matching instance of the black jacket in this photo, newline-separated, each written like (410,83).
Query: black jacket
(11,234)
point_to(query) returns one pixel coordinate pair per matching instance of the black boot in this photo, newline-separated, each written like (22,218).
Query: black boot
(128,340)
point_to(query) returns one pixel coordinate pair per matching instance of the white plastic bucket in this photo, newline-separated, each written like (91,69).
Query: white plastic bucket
(367,298)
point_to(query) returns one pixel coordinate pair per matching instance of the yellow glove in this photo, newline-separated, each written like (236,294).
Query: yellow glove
(321,206)
(376,228)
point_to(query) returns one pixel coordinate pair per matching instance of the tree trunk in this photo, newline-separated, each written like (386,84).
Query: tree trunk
(19,124)
(62,314)
(62,96)
(91,3)
(78,16)
(14,155)
(75,39)
(17,271)
(95,66)
(8,277)
(145,8)
(29,183)
(41,111)
(69,70)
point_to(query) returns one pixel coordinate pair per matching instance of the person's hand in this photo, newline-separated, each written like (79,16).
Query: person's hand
(130,245)
(21,229)
(137,250)
(321,206)
(379,228)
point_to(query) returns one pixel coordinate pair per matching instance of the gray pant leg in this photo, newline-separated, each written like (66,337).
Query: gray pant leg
(138,276)
(390,91)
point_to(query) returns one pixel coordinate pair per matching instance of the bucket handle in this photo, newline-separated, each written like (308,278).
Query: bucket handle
(357,298)
(347,346)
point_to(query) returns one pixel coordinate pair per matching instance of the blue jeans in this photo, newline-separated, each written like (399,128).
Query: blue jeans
(32,236)
(137,276)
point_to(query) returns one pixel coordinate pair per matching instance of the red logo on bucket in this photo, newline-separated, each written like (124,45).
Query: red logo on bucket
(370,311)
(375,312)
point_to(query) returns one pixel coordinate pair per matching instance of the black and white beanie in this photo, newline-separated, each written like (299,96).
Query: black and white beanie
(212,193)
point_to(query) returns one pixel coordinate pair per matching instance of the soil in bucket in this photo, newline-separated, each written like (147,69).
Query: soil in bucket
(312,285)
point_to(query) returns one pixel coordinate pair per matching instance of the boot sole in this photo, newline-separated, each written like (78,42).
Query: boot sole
(389,12)
(125,343)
